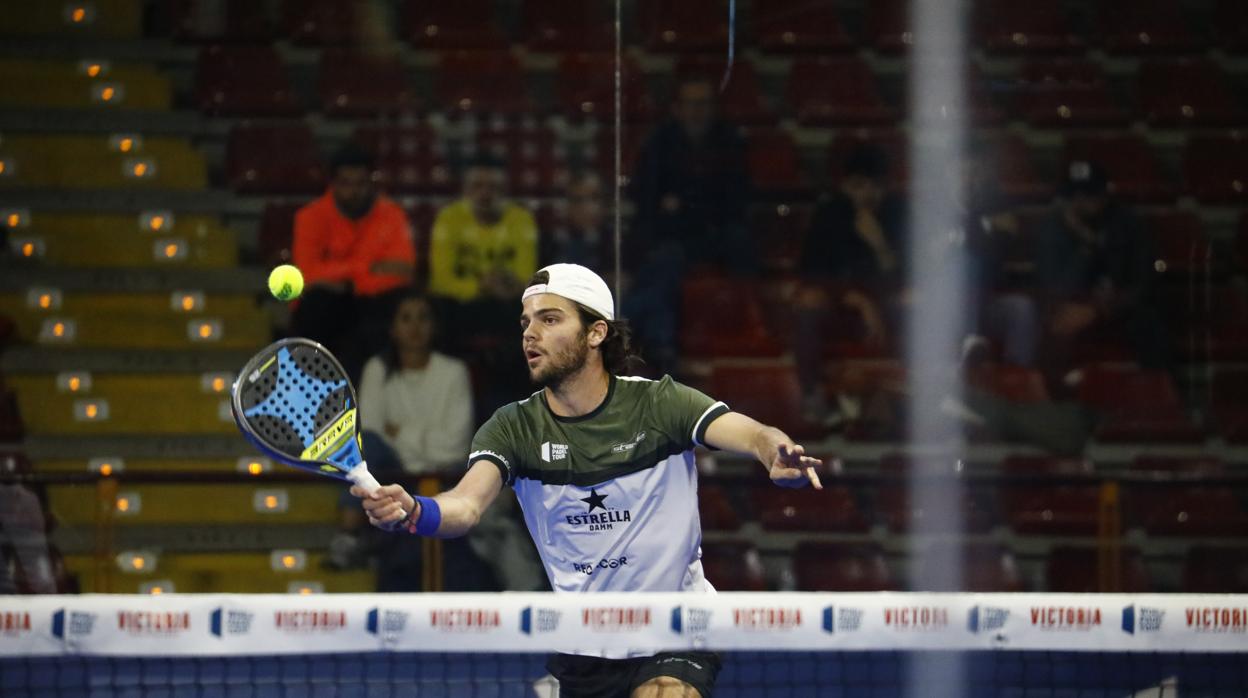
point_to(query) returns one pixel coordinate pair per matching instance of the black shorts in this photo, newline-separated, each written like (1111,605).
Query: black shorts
(594,677)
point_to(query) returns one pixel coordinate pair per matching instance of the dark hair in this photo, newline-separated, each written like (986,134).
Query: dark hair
(618,355)
(390,354)
(351,154)
(867,160)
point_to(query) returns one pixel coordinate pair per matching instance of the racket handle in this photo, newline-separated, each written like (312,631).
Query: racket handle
(359,475)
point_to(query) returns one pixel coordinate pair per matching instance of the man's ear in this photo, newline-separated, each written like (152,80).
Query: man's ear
(597,333)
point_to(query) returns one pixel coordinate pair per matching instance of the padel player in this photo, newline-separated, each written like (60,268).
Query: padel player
(604,470)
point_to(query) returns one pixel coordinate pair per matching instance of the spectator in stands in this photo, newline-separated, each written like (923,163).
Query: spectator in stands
(852,261)
(1094,268)
(583,238)
(482,250)
(26,560)
(357,255)
(691,188)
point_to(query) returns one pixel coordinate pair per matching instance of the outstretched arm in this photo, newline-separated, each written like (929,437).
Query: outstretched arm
(786,462)
(459,508)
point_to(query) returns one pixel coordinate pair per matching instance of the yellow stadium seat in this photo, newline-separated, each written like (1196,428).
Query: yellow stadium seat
(154,465)
(93,162)
(205,503)
(221,573)
(86,84)
(78,240)
(140,331)
(97,19)
(124,404)
(41,301)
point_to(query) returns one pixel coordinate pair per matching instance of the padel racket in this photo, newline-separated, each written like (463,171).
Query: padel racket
(293,401)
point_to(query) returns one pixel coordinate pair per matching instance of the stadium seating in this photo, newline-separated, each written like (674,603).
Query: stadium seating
(223,573)
(1033,27)
(1009,164)
(277,228)
(733,566)
(585,88)
(1230,24)
(841,567)
(1185,93)
(830,509)
(330,22)
(273,159)
(86,84)
(357,84)
(1215,168)
(1230,403)
(243,81)
(136,330)
(1136,406)
(1075,570)
(691,25)
(560,26)
(1053,510)
(723,317)
(985,567)
(893,143)
(835,92)
(1188,511)
(1014,383)
(1064,93)
(905,513)
(773,164)
(485,82)
(889,26)
(741,100)
(102,162)
(717,510)
(208,21)
(1182,247)
(1144,27)
(408,158)
(800,26)
(466,24)
(1216,570)
(73,240)
(1135,174)
(770,394)
(99,19)
(778,233)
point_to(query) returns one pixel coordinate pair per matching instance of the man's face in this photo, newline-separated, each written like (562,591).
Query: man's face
(556,344)
(412,329)
(865,192)
(353,191)
(695,107)
(585,203)
(483,187)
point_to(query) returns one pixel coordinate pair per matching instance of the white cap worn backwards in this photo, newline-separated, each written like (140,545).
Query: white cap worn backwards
(579,284)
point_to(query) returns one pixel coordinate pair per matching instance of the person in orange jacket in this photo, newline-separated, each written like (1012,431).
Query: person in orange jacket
(356,251)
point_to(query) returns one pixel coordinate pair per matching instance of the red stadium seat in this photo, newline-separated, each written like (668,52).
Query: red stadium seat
(585,88)
(482,82)
(1137,406)
(1075,570)
(903,513)
(439,25)
(1216,570)
(841,567)
(774,164)
(741,101)
(836,91)
(1053,510)
(808,509)
(733,566)
(1194,466)
(535,162)
(1014,383)
(1010,163)
(602,151)
(718,511)
(689,25)
(243,81)
(566,25)
(277,231)
(770,394)
(1144,26)
(974,104)
(1188,511)
(1025,27)
(893,143)
(1181,243)
(1134,172)
(986,567)
(1230,403)
(1216,169)
(889,26)
(210,21)
(724,317)
(1186,93)
(1063,93)
(1231,25)
(273,159)
(355,84)
(800,26)
(409,159)
(779,231)
(326,22)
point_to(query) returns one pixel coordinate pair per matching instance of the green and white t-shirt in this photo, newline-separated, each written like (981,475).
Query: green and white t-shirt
(610,497)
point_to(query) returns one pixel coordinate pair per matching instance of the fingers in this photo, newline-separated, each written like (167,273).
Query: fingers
(813,477)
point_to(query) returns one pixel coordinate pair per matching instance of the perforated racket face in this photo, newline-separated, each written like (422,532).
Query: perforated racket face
(294,401)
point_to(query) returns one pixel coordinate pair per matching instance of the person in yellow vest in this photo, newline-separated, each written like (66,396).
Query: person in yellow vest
(483,248)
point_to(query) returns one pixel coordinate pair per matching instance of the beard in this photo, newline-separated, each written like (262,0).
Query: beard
(561,365)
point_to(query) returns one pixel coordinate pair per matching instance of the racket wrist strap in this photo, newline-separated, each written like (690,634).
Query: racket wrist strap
(429,519)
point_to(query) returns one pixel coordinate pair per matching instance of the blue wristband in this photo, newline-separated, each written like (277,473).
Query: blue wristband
(430,517)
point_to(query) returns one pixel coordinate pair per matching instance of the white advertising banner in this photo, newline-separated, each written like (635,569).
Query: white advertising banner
(263,624)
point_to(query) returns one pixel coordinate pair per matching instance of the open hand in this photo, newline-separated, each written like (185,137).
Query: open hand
(793,468)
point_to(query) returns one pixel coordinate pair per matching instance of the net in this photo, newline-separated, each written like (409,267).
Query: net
(782,644)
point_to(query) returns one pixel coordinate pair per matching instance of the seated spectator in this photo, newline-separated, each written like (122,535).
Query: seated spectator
(26,559)
(1095,268)
(852,261)
(584,237)
(483,249)
(355,249)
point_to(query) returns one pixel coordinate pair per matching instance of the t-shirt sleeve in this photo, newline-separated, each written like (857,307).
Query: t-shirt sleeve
(686,412)
(493,442)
